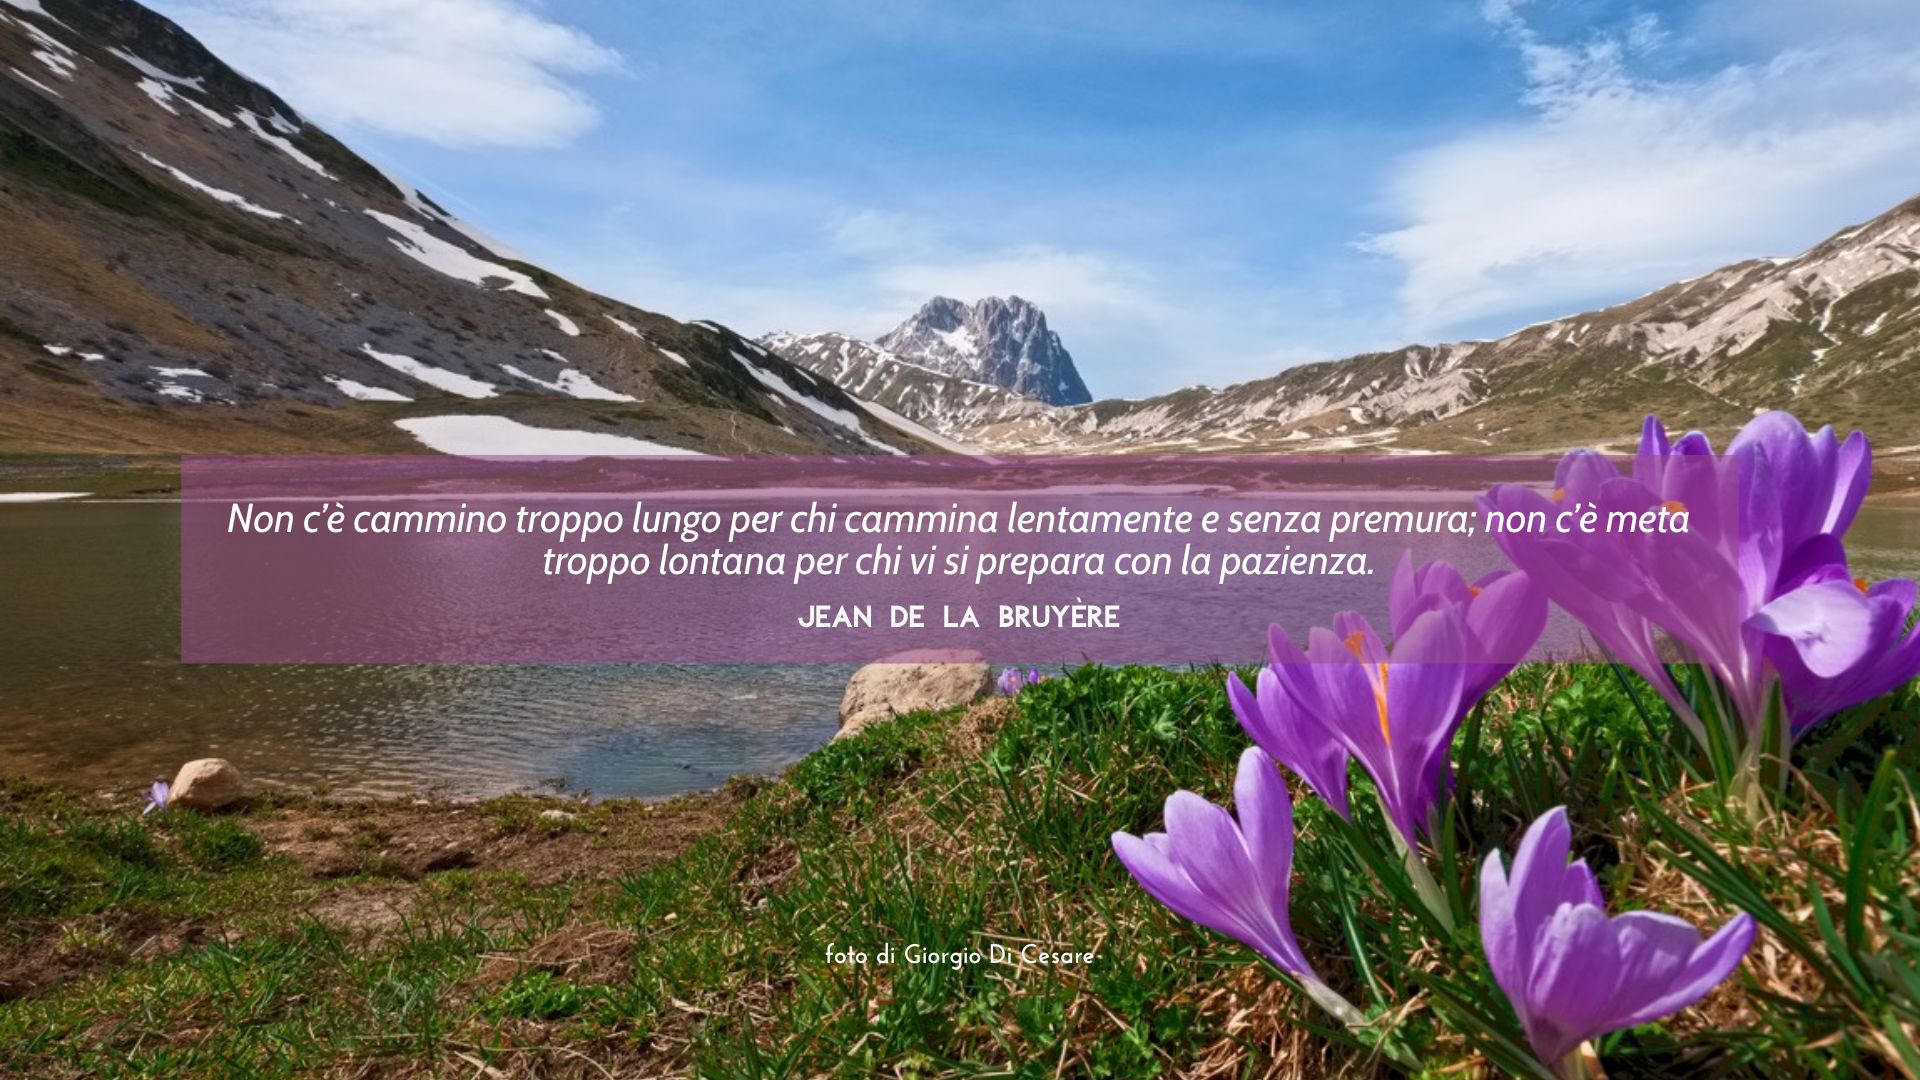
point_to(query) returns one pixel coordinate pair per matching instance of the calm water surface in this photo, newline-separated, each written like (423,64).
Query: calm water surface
(92,693)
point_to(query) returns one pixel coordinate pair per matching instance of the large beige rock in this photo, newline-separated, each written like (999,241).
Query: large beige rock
(207,784)
(878,691)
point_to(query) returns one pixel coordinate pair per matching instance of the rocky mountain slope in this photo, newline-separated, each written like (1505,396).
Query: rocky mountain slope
(997,342)
(871,373)
(1833,334)
(955,354)
(193,266)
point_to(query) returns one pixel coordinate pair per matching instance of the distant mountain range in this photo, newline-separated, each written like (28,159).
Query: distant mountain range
(193,266)
(1833,334)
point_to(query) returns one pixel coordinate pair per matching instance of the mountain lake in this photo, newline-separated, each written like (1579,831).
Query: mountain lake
(92,693)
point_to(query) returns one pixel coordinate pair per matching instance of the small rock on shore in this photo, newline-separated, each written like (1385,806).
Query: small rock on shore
(881,690)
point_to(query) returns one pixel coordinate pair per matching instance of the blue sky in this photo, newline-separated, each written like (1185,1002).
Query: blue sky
(1197,191)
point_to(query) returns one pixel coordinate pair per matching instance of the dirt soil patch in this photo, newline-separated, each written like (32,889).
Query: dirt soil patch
(546,841)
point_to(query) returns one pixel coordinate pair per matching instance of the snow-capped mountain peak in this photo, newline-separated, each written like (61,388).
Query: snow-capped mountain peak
(1002,341)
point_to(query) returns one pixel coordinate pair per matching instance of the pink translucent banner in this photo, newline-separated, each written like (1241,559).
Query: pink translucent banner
(784,560)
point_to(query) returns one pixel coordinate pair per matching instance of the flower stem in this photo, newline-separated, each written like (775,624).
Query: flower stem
(1582,1064)
(1423,882)
(1344,1011)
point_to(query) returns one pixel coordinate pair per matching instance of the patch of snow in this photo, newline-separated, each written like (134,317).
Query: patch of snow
(628,327)
(419,205)
(888,416)
(158,91)
(567,326)
(429,250)
(673,356)
(832,415)
(152,72)
(61,64)
(183,373)
(959,341)
(362,392)
(451,381)
(281,144)
(55,55)
(501,436)
(42,38)
(238,201)
(33,82)
(573,384)
(184,393)
(67,350)
(39,496)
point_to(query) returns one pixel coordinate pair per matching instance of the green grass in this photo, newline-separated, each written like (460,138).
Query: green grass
(957,831)
(105,477)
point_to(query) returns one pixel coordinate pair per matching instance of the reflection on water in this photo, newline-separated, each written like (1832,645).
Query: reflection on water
(91,690)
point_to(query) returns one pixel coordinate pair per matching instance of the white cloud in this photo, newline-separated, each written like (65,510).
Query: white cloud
(463,73)
(1617,183)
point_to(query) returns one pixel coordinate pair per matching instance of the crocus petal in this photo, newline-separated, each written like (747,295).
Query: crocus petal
(1402,594)
(1204,866)
(1293,736)
(1665,967)
(1572,973)
(1152,866)
(1503,622)
(1541,881)
(1830,623)
(1358,636)
(1576,968)
(1653,438)
(1499,930)
(1853,470)
(1891,659)
(1209,845)
(1423,694)
(1266,823)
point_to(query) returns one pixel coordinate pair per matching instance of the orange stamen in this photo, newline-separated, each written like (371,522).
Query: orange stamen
(1860,583)
(1355,643)
(1674,506)
(1380,703)
(1559,494)
(1474,590)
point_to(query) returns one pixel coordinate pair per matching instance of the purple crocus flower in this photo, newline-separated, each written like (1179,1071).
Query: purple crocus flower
(1395,711)
(1822,479)
(1013,680)
(1756,588)
(1299,717)
(1293,735)
(1227,875)
(1502,616)
(1891,653)
(157,797)
(1571,972)
(1232,876)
